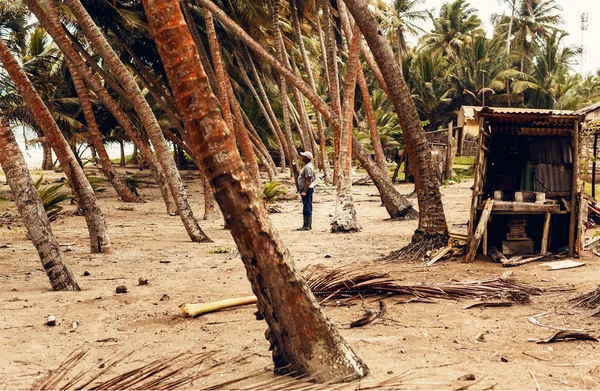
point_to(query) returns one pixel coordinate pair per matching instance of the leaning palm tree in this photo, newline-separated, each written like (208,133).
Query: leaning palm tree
(146,116)
(302,338)
(32,211)
(433,229)
(99,237)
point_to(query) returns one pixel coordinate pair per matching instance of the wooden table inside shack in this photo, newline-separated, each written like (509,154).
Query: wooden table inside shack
(523,208)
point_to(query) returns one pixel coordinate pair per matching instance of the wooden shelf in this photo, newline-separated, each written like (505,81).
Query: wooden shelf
(513,207)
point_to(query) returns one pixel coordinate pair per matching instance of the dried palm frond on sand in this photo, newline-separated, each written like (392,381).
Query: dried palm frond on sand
(178,371)
(162,374)
(589,300)
(344,283)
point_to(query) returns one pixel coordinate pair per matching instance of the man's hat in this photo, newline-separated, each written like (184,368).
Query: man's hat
(307,154)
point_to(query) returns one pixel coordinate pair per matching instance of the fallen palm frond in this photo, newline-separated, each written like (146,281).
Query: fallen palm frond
(351,283)
(161,374)
(343,283)
(178,371)
(589,300)
(370,316)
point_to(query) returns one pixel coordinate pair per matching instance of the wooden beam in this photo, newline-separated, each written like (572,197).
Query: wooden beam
(545,234)
(481,227)
(525,207)
(574,185)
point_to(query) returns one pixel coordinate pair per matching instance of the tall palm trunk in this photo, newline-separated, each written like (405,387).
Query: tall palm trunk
(344,219)
(59,36)
(333,77)
(266,116)
(99,238)
(320,125)
(298,329)
(432,221)
(47,162)
(225,93)
(292,153)
(366,97)
(146,116)
(267,104)
(107,169)
(32,211)
(311,82)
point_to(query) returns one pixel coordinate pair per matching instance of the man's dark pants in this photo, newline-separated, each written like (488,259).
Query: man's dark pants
(307,202)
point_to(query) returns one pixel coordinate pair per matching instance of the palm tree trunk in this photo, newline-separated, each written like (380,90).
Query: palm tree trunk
(433,222)
(367,53)
(397,206)
(122,162)
(304,128)
(189,19)
(225,92)
(99,238)
(47,162)
(272,119)
(333,77)
(107,169)
(311,80)
(344,219)
(301,335)
(370,114)
(146,117)
(320,126)
(253,134)
(292,153)
(366,97)
(32,211)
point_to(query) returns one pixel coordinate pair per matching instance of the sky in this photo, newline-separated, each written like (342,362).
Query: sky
(571,14)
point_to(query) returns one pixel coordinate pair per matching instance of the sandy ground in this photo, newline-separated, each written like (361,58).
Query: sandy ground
(431,344)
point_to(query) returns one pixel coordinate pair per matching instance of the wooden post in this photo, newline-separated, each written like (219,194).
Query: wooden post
(473,244)
(460,140)
(574,183)
(545,234)
(449,153)
(484,245)
(594,167)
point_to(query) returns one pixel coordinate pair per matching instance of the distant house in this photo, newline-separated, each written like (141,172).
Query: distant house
(591,112)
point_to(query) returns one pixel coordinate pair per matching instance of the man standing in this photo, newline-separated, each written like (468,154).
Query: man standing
(306,185)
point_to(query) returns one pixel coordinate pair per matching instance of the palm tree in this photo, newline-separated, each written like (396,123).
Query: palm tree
(432,225)
(58,34)
(344,219)
(99,237)
(295,330)
(452,29)
(534,21)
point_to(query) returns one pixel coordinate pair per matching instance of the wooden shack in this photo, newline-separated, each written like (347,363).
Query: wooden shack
(525,193)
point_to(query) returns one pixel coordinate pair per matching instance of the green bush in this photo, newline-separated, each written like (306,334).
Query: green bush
(271,192)
(51,197)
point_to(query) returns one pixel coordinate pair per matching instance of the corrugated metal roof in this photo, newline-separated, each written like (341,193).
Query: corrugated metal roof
(528,122)
(469,111)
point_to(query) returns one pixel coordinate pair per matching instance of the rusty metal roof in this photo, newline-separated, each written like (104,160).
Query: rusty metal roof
(470,111)
(529,122)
